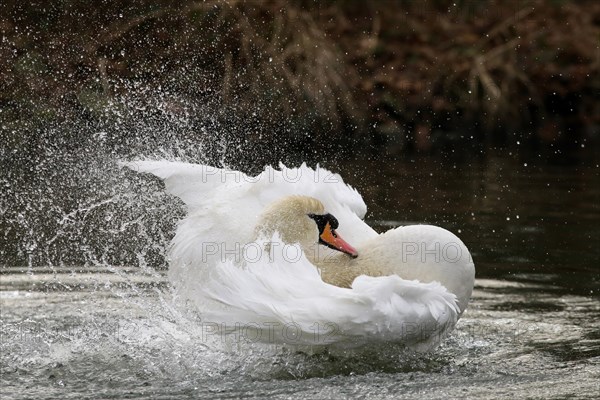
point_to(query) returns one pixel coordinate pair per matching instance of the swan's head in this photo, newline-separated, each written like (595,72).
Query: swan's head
(303,220)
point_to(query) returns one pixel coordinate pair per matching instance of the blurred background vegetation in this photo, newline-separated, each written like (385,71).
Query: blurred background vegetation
(393,77)
(401,84)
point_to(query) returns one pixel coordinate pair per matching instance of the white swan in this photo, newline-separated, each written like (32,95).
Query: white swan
(265,255)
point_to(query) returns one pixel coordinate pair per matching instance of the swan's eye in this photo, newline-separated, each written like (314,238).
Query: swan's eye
(334,222)
(323,219)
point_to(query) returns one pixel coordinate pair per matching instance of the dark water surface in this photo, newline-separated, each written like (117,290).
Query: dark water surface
(106,329)
(532,224)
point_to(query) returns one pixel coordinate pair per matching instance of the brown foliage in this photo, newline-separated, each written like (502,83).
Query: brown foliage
(410,63)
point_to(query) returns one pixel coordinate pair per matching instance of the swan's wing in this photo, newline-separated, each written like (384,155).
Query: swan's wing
(340,199)
(284,300)
(189,182)
(224,205)
(421,314)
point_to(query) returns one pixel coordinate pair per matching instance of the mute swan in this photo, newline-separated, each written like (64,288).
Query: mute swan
(345,285)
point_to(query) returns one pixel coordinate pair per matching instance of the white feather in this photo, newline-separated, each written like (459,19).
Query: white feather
(275,296)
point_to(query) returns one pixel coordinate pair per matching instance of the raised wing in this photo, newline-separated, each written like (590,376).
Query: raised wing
(224,207)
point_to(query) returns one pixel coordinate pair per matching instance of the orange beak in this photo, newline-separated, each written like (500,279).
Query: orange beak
(331,239)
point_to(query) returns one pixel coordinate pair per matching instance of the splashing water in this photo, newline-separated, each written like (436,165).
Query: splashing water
(83,256)
(86,305)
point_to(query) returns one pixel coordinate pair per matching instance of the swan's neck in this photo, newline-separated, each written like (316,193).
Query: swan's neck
(340,270)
